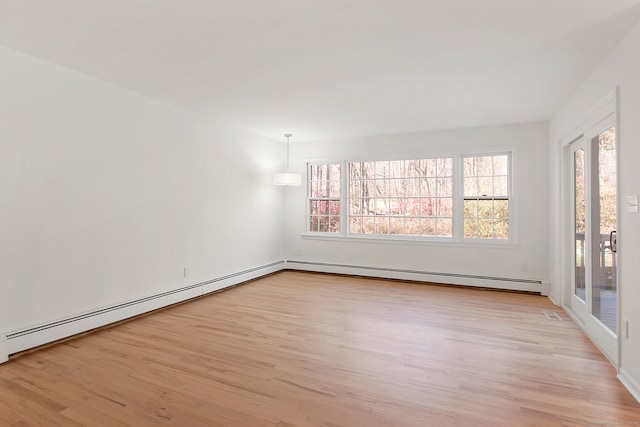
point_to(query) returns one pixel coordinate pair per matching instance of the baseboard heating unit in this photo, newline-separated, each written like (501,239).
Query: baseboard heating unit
(508,283)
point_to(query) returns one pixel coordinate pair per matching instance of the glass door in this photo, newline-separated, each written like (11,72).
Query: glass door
(604,287)
(594,298)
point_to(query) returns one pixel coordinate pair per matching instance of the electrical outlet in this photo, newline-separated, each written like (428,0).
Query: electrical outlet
(186,272)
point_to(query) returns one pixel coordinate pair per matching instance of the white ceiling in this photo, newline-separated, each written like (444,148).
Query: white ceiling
(331,68)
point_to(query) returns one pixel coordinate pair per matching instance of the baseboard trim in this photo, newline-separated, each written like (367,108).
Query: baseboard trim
(554,301)
(629,383)
(35,336)
(514,284)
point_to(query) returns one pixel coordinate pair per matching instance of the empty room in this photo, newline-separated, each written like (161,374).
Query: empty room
(330,213)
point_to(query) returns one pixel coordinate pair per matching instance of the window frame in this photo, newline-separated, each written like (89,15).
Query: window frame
(462,198)
(389,216)
(457,239)
(329,199)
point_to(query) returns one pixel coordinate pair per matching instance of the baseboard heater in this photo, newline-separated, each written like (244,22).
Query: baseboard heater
(509,283)
(35,336)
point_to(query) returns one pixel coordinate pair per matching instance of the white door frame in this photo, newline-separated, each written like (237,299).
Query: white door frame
(601,117)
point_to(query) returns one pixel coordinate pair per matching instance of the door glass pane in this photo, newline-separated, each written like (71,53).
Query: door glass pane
(604,289)
(579,222)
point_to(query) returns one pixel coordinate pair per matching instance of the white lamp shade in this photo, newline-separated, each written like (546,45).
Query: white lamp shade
(288,178)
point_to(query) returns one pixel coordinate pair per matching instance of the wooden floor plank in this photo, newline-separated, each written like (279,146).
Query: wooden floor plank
(304,349)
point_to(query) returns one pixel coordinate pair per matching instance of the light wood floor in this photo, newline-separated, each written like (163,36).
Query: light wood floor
(302,349)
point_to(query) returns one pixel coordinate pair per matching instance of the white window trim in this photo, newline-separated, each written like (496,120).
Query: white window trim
(308,199)
(510,195)
(458,239)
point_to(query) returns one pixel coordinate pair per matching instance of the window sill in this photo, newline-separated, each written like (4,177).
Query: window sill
(405,240)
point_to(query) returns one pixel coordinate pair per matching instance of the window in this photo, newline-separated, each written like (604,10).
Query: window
(448,198)
(324,198)
(486,196)
(402,197)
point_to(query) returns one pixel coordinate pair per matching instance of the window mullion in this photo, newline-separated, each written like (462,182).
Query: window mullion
(344,197)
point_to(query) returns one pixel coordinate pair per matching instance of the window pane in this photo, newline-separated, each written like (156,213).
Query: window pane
(445,187)
(323,207)
(334,189)
(334,224)
(470,167)
(382,226)
(355,170)
(470,227)
(412,226)
(334,208)
(428,227)
(445,166)
(396,226)
(470,208)
(356,188)
(485,228)
(428,207)
(334,171)
(356,206)
(396,169)
(501,229)
(396,188)
(445,207)
(500,186)
(445,227)
(313,189)
(412,169)
(485,186)
(396,206)
(355,224)
(368,226)
(313,224)
(484,166)
(380,207)
(381,170)
(428,187)
(412,206)
(501,209)
(485,209)
(500,165)
(382,187)
(368,188)
(471,187)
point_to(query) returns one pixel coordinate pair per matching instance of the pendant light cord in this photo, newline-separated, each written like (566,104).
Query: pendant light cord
(288,135)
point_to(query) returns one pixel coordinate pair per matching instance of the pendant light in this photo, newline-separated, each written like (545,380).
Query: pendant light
(288,178)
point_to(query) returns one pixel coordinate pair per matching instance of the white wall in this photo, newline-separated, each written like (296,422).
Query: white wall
(525,260)
(107,195)
(622,70)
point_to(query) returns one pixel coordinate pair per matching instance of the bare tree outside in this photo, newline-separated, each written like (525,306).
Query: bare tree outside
(412,197)
(324,190)
(402,197)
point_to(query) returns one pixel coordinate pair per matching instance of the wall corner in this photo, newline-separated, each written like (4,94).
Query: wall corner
(4,351)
